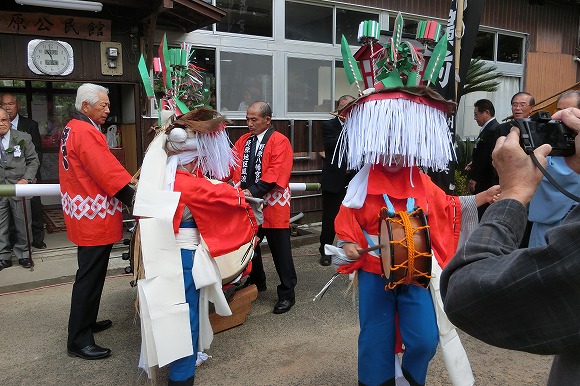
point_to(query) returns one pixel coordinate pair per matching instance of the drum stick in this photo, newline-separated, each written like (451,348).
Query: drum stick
(325,288)
(370,249)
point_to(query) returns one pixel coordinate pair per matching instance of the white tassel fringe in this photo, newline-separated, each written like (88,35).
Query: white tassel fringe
(378,130)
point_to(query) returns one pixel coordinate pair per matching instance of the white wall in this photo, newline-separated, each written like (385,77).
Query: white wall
(466,125)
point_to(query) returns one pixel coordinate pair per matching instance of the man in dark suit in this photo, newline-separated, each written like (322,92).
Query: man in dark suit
(481,173)
(18,165)
(20,123)
(334,179)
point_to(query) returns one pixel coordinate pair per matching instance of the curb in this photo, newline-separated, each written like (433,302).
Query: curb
(67,255)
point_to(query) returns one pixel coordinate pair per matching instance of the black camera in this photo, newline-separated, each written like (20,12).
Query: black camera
(540,129)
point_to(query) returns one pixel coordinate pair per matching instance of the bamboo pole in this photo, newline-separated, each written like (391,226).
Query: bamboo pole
(458,36)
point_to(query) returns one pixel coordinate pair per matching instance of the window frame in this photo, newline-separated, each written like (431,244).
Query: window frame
(279,47)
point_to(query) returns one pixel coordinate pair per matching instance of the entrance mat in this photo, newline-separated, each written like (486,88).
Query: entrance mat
(54,220)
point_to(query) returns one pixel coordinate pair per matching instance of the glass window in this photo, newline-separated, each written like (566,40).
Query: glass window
(309,85)
(248,17)
(347,23)
(245,78)
(307,22)
(509,48)
(342,87)
(205,59)
(70,85)
(12,83)
(484,43)
(409,25)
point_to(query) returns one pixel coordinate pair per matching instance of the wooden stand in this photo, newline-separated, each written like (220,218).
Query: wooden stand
(240,304)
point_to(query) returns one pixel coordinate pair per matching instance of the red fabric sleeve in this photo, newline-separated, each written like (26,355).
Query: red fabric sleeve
(444,222)
(224,218)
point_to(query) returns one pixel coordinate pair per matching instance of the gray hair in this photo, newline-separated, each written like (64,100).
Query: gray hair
(89,92)
(571,94)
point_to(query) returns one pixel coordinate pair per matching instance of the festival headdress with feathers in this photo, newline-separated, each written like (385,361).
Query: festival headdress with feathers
(396,115)
(191,125)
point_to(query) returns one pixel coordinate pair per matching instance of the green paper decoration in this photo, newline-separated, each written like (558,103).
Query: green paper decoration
(350,64)
(436,62)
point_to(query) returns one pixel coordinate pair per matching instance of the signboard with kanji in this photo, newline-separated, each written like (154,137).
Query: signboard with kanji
(55,26)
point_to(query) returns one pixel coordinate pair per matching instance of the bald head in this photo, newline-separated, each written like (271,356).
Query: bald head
(569,99)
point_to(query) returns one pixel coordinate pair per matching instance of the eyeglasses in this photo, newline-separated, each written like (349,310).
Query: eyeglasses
(5,121)
(519,104)
(9,104)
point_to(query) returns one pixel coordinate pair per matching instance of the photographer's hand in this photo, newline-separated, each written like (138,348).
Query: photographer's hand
(518,176)
(571,118)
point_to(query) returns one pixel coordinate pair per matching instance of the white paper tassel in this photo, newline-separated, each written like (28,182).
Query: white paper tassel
(215,154)
(377,130)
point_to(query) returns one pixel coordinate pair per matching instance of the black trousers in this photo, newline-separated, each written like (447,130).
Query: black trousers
(279,243)
(37,221)
(330,206)
(86,294)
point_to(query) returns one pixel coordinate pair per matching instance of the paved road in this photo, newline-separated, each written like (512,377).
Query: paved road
(313,344)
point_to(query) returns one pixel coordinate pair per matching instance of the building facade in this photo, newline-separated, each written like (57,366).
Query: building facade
(286,52)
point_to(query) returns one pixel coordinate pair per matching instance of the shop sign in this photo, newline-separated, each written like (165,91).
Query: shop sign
(64,26)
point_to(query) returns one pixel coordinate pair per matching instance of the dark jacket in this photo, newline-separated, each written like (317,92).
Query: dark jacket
(30,126)
(482,170)
(333,178)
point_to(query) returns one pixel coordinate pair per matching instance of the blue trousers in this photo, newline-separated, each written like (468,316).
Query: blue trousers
(184,368)
(376,342)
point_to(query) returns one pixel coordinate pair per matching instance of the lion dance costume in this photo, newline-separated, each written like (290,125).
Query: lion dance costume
(394,130)
(187,223)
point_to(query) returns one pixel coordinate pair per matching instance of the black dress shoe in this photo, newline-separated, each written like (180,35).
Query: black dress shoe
(39,245)
(90,352)
(6,263)
(101,325)
(283,306)
(325,260)
(25,263)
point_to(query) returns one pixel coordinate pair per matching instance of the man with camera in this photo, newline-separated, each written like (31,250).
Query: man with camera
(521,299)
(549,206)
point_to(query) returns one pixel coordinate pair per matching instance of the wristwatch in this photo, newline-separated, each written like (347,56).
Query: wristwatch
(29,181)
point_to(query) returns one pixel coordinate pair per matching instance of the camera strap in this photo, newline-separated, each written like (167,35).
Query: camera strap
(552,180)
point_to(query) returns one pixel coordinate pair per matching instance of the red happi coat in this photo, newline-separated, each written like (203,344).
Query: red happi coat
(90,176)
(443,213)
(277,163)
(224,219)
